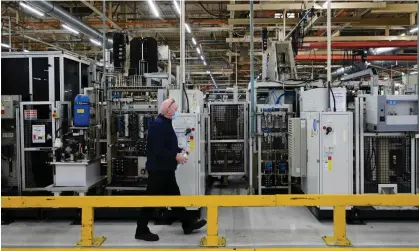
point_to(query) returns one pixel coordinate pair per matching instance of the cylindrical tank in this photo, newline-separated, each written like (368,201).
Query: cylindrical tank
(81,111)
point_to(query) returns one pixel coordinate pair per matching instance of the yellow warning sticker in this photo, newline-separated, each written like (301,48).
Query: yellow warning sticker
(80,110)
(329,165)
(192,145)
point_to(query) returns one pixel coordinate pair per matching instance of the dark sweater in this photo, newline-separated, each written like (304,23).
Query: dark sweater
(162,146)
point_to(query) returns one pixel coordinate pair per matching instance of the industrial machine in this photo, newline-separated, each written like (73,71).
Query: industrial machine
(392,113)
(41,122)
(227,139)
(272,145)
(10,145)
(190,133)
(76,154)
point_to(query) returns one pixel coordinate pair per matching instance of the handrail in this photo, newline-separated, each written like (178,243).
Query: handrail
(212,202)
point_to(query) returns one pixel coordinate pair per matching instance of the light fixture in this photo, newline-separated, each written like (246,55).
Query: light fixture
(110,40)
(413,73)
(413,30)
(193,41)
(404,34)
(25,50)
(70,29)
(31,9)
(153,8)
(5,45)
(198,50)
(205,63)
(188,28)
(176,6)
(202,58)
(95,42)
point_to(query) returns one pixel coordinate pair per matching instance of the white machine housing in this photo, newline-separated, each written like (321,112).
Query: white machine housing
(330,153)
(315,100)
(297,147)
(191,175)
(195,97)
(392,113)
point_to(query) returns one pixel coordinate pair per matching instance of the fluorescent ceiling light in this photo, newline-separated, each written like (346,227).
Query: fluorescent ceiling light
(110,40)
(176,6)
(153,8)
(31,9)
(25,50)
(5,45)
(205,63)
(95,42)
(202,58)
(208,72)
(188,28)
(413,73)
(413,30)
(198,50)
(193,41)
(404,34)
(70,29)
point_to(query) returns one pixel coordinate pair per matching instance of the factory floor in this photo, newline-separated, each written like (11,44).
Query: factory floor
(243,227)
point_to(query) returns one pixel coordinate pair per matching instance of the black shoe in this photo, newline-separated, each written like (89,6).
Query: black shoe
(194,226)
(147,237)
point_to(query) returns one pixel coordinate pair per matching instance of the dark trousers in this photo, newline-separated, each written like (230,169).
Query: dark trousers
(161,183)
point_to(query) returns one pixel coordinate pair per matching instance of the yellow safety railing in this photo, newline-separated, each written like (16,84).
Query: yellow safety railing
(212,203)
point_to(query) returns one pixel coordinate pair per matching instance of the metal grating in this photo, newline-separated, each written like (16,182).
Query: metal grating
(227,121)
(387,161)
(227,157)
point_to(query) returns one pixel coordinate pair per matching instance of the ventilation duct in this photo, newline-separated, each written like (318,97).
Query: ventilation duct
(56,11)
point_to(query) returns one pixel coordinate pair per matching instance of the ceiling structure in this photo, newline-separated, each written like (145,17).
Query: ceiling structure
(221,28)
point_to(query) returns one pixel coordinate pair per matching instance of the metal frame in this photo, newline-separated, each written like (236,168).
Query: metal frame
(31,149)
(244,140)
(213,203)
(359,155)
(54,105)
(259,144)
(51,55)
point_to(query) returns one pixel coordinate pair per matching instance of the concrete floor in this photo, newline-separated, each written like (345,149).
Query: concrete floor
(243,227)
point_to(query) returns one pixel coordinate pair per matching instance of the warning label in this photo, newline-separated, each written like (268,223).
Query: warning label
(31,114)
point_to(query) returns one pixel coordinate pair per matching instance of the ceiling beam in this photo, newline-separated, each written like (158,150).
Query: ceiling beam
(297,6)
(396,8)
(100,14)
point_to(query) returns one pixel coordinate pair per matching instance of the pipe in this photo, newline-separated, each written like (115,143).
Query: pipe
(56,11)
(329,43)
(361,44)
(104,39)
(252,100)
(417,67)
(182,54)
(346,58)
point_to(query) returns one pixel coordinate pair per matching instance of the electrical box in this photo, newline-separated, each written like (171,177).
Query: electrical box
(330,153)
(297,147)
(315,100)
(195,98)
(392,113)
(191,175)
(8,106)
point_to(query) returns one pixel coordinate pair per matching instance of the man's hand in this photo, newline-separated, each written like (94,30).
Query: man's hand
(180,158)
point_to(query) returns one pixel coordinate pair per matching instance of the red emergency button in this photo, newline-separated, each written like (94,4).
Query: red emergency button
(324,127)
(193,129)
(329,158)
(191,137)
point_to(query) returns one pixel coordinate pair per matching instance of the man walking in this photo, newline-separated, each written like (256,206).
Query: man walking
(163,156)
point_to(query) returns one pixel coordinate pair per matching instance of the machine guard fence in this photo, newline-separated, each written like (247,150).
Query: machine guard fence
(212,203)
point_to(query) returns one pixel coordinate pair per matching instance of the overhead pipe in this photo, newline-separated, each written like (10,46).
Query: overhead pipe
(346,58)
(56,11)
(361,44)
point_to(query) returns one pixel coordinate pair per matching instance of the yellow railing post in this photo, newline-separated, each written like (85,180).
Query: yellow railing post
(87,229)
(212,239)
(339,229)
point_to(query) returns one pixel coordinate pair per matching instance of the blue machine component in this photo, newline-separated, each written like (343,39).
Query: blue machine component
(81,111)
